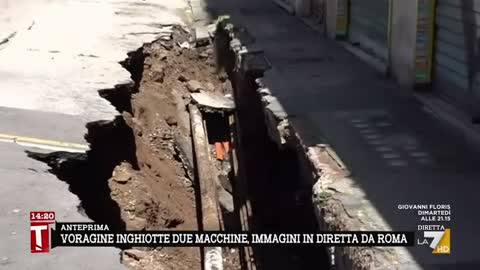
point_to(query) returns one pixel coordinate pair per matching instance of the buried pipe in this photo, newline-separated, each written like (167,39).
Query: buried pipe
(208,198)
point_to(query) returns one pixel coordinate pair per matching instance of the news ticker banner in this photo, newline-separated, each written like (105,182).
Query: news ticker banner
(88,234)
(47,233)
(63,234)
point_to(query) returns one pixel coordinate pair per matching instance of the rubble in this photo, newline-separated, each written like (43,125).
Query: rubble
(121,174)
(213,100)
(183,78)
(158,193)
(194,86)
(137,224)
(135,253)
(166,45)
(158,74)
(225,199)
(184,45)
(211,28)
(210,87)
(202,36)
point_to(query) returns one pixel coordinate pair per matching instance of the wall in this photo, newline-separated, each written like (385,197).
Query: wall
(318,10)
(302,7)
(402,38)
(457,65)
(331,18)
(403,41)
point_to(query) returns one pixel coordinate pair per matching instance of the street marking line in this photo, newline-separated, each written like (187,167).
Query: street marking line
(43,143)
(46,147)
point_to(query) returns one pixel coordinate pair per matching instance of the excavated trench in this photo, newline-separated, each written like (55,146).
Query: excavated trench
(138,173)
(280,197)
(277,182)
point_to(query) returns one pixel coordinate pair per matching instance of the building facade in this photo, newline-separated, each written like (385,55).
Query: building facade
(428,45)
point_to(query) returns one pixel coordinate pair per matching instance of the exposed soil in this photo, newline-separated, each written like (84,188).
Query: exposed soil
(138,173)
(140,165)
(159,194)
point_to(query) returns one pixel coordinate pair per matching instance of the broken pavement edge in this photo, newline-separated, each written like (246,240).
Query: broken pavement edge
(339,203)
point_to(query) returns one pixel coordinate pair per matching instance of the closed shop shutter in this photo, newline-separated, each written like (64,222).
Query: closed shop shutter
(369,26)
(456,61)
(318,10)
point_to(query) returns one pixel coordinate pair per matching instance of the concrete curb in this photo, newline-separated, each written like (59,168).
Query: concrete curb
(376,63)
(451,115)
(285,6)
(340,204)
(317,27)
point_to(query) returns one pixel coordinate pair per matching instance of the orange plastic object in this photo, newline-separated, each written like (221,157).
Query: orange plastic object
(219,151)
(226,147)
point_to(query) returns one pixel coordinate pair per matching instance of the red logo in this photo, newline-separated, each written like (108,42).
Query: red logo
(40,231)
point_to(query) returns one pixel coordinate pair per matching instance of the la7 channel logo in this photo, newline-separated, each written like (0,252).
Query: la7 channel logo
(439,241)
(40,231)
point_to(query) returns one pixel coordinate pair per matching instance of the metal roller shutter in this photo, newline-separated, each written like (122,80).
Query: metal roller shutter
(457,60)
(369,26)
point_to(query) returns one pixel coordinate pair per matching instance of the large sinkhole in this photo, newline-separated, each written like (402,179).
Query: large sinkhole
(272,177)
(111,142)
(133,177)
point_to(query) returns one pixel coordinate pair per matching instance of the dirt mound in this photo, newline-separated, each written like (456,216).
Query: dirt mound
(157,193)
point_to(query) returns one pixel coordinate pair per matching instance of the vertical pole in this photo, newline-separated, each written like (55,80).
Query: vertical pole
(342,9)
(208,195)
(424,42)
(389,36)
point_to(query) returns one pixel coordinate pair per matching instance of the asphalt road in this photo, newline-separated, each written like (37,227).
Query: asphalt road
(62,53)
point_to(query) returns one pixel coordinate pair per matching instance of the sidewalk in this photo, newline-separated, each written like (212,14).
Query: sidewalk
(396,152)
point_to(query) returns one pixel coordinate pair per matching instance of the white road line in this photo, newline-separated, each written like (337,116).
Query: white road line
(44,144)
